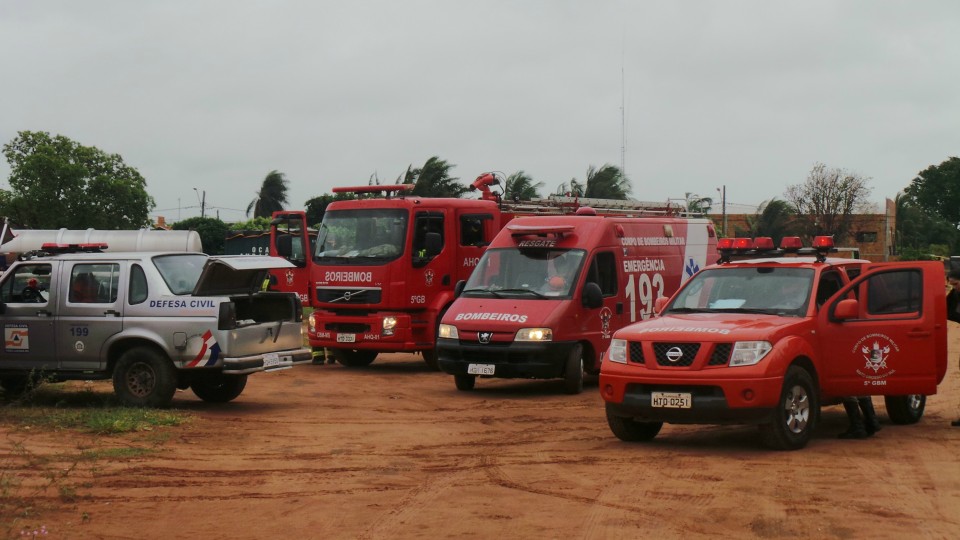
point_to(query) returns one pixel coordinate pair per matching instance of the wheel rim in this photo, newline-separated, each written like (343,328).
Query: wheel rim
(914,401)
(797,406)
(141,379)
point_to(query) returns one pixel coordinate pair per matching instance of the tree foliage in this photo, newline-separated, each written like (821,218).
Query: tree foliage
(56,182)
(607,182)
(921,233)
(774,218)
(316,207)
(697,204)
(828,199)
(256,224)
(936,191)
(212,231)
(433,180)
(271,197)
(519,186)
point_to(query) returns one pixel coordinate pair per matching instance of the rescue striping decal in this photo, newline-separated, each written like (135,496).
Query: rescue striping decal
(700,330)
(691,268)
(653,241)
(16,338)
(348,276)
(209,351)
(511,317)
(875,355)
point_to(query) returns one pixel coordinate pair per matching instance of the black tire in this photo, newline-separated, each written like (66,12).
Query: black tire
(465,383)
(573,371)
(15,386)
(905,409)
(796,414)
(630,430)
(217,387)
(432,356)
(354,358)
(144,377)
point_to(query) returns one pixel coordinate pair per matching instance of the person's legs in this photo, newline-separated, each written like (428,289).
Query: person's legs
(870,423)
(856,430)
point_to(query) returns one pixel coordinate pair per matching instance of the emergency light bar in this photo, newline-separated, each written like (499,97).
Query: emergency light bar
(387,189)
(50,247)
(763,246)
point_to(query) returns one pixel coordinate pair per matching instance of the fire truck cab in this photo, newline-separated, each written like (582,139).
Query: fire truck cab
(550,291)
(767,341)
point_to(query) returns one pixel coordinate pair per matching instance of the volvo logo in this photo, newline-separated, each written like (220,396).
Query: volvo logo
(674,354)
(484,337)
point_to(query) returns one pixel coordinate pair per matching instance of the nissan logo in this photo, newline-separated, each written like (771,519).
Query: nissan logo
(674,354)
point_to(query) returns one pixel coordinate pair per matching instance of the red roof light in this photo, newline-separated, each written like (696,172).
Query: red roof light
(725,243)
(763,242)
(823,242)
(743,243)
(791,242)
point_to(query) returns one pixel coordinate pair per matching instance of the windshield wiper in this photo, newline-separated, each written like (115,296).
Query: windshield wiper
(765,311)
(530,291)
(479,290)
(689,310)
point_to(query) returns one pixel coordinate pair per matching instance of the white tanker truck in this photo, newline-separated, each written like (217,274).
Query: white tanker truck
(140,240)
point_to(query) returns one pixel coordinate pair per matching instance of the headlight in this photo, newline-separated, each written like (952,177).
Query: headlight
(388,324)
(617,351)
(748,353)
(534,334)
(312,323)
(448,331)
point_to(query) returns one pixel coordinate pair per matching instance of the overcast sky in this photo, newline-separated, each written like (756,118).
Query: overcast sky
(747,94)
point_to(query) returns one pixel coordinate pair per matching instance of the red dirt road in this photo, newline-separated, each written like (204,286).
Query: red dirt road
(395,451)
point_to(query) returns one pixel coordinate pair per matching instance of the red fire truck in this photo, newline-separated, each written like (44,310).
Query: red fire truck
(381,271)
(547,296)
(766,341)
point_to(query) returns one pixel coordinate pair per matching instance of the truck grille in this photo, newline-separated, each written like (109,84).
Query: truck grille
(721,355)
(348,295)
(636,352)
(347,328)
(665,351)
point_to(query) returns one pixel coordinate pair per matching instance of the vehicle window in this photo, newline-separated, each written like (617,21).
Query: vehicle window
(180,272)
(94,283)
(603,272)
(29,283)
(830,283)
(427,225)
(544,273)
(362,236)
(472,230)
(783,291)
(895,292)
(138,285)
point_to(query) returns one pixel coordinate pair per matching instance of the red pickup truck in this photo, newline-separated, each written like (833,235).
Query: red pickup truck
(768,341)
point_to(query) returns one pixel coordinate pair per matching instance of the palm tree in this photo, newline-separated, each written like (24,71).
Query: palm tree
(776,219)
(271,197)
(607,182)
(520,187)
(434,180)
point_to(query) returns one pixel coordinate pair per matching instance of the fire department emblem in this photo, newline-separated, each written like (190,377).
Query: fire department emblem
(484,337)
(289,277)
(605,316)
(428,277)
(876,350)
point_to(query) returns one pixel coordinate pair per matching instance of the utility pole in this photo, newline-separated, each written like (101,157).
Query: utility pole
(203,202)
(723,207)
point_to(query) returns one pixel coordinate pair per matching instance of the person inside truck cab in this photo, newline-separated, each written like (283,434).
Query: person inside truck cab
(31,293)
(83,289)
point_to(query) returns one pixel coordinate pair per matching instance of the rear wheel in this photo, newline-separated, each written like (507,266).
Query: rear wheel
(796,413)
(465,383)
(144,377)
(573,371)
(354,358)
(432,356)
(905,409)
(630,430)
(15,386)
(217,387)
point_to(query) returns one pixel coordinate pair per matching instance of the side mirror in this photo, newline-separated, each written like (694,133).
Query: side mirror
(433,244)
(284,246)
(846,310)
(660,303)
(592,296)
(458,288)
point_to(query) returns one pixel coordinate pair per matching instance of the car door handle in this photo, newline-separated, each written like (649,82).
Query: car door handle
(112,312)
(44,313)
(919,333)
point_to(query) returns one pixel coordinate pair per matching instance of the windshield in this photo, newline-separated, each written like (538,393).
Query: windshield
(540,273)
(779,291)
(180,272)
(361,236)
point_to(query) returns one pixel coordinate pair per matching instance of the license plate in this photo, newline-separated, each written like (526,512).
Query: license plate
(346,338)
(271,360)
(480,369)
(671,400)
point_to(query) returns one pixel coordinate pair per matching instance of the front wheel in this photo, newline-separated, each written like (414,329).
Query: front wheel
(905,409)
(217,387)
(354,358)
(144,377)
(573,371)
(630,430)
(796,413)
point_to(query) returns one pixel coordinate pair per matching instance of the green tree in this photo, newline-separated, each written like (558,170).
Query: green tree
(936,190)
(316,207)
(920,233)
(433,180)
(212,231)
(774,218)
(828,199)
(520,186)
(271,197)
(56,182)
(697,204)
(573,189)
(607,182)
(256,224)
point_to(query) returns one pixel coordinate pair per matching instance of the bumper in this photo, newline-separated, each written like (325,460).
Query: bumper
(516,360)
(719,401)
(241,365)
(366,333)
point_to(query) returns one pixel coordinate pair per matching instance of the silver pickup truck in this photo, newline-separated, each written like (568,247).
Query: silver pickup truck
(153,322)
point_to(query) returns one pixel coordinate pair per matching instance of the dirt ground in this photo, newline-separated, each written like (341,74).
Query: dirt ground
(395,451)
